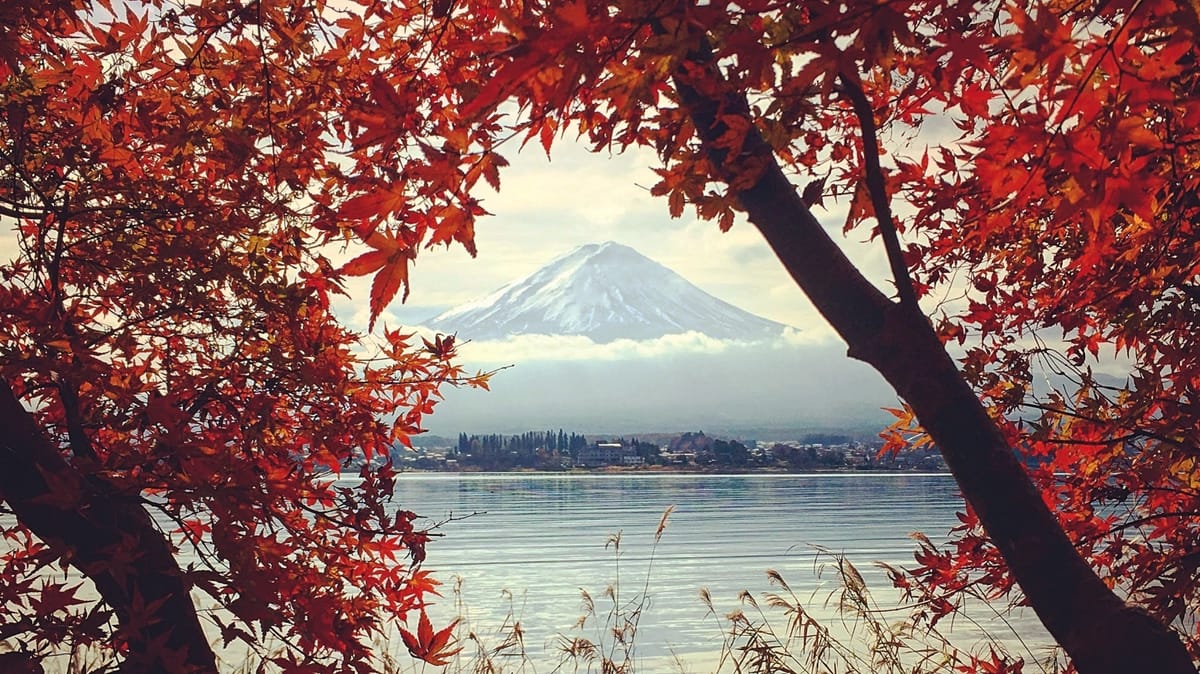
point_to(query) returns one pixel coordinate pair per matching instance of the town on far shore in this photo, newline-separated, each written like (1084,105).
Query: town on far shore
(559,451)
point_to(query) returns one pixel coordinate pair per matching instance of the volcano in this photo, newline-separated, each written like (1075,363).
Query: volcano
(604,292)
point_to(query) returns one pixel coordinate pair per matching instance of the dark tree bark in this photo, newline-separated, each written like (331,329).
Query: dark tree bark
(110,538)
(1100,633)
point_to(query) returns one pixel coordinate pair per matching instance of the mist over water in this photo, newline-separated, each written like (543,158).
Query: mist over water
(741,387)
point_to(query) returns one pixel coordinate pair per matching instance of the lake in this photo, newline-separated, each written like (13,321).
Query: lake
(526,544)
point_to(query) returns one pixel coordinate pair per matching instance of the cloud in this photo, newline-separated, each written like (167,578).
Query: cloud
(548,207)
(597,191)
(558,348)
(775,385)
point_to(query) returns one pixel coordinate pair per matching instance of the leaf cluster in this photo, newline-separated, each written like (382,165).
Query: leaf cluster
(179,185)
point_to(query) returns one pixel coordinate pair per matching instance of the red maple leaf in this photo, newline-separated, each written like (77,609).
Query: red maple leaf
(430,646)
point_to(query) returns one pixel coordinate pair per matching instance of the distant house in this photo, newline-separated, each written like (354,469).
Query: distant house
(602,454)
(679,458)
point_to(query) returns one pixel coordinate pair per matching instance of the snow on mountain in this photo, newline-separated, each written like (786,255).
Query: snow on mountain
(604,292)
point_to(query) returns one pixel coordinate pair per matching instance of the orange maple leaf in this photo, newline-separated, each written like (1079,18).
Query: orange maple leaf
(389,260)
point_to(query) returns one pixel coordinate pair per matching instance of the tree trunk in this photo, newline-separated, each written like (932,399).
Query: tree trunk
(1100,633)
(110,538)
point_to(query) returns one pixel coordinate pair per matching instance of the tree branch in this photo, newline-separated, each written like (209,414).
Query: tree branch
(877,188)
(1096,628)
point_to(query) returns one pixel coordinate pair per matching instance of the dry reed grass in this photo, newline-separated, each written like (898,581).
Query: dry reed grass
(774,632)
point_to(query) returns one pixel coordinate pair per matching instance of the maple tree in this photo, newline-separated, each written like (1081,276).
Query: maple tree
(1059,205)
(178,173)
(177,183)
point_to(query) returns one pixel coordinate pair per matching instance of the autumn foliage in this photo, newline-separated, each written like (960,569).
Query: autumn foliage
(1030,169)
(192,183)
(1070,215)
(180,185)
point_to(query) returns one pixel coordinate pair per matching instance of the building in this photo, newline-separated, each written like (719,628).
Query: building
(601,454)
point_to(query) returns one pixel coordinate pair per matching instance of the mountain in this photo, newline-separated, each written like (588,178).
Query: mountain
(604,292)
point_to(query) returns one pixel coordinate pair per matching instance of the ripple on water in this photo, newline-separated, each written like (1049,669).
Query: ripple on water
(542,538)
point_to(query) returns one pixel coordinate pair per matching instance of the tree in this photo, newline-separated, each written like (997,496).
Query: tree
(178,175)
(730,453)
(1066,202)
(177,183)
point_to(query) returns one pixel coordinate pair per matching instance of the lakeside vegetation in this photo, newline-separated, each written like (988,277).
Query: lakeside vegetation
(777,630)
(690,451)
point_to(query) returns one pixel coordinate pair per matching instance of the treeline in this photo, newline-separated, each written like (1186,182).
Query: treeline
(528,441)
(559,450)
(544,450)
(541,450)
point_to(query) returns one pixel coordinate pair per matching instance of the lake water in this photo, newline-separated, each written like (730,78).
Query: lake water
(540,538)
(526,544)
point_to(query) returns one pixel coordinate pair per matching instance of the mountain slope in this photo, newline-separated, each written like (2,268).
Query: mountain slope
(604,292)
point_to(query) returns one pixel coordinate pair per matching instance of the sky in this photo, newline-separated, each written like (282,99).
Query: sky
(546,207)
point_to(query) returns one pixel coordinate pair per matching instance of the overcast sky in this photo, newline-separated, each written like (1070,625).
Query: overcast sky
(547,207)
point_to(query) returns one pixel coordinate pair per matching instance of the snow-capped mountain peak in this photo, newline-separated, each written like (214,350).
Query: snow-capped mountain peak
(603,291)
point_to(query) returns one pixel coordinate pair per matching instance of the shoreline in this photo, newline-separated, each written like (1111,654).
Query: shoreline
(683,470)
